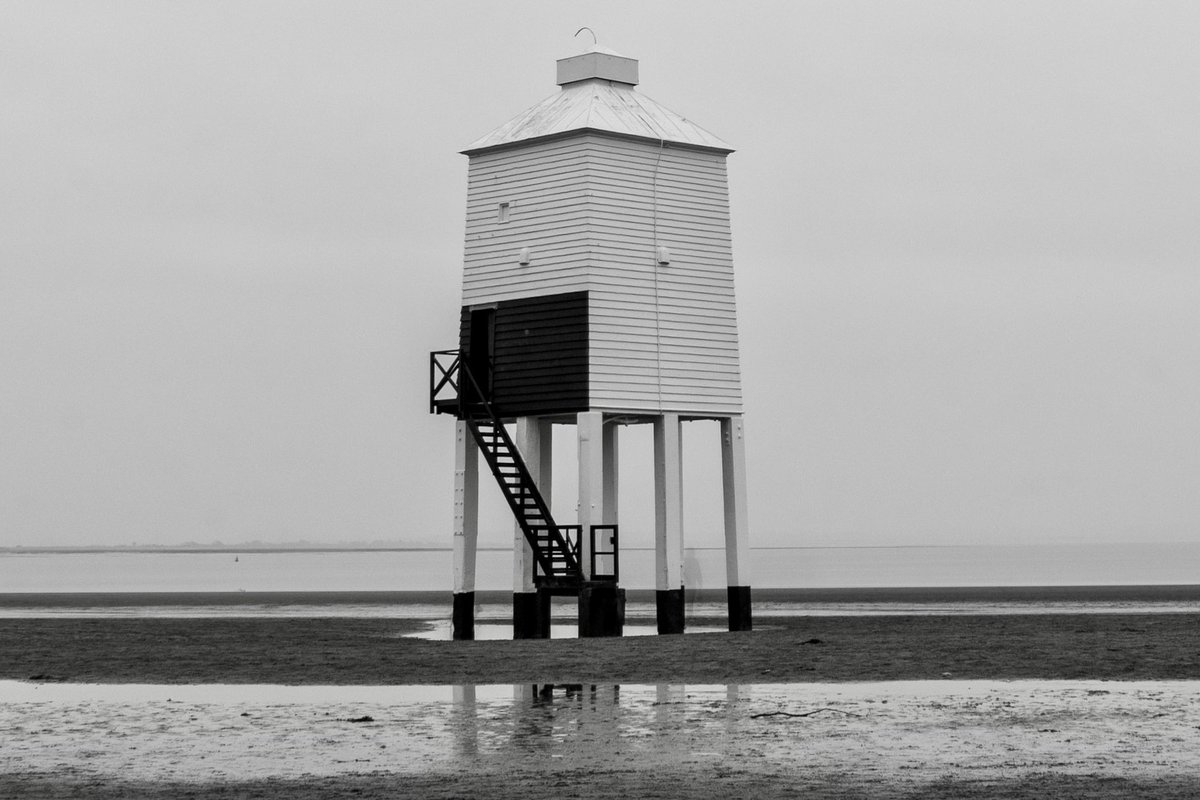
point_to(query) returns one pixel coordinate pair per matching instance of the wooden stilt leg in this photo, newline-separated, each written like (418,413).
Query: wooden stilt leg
(737,547)
(533,440)
(466,530)
(668,523)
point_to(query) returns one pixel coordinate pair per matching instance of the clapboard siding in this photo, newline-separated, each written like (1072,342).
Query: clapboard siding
(643,196)
(591,208)
(545,185)
(540,358)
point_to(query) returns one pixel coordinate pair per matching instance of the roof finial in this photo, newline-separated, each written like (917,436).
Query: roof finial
(595,41)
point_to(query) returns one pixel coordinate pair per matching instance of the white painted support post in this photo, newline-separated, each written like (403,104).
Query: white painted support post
(608,541)
(466,530)
(668,523)
(737,525)
(611,473)
(601,603)
(531,609)
(590,428)
(534,439)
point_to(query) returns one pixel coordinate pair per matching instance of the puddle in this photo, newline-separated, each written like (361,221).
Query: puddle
(926,729)
(442,630)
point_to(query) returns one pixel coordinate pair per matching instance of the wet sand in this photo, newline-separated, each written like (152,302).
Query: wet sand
(891,739)
(780,650)
(1015,706)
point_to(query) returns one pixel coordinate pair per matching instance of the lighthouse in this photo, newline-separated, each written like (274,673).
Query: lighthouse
(598,292)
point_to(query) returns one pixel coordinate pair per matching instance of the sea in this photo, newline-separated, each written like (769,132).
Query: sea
(417,583)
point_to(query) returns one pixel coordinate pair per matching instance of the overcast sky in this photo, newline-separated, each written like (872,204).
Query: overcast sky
(966,235)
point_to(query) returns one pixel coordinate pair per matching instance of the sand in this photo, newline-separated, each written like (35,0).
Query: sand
(783,650)
(931,707)
(891,739)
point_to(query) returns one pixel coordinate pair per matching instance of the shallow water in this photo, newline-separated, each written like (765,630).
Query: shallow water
(442,630)
(31,570)
(637,613)
(920,730)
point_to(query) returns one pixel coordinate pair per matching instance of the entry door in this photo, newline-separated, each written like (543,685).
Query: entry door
(482,353)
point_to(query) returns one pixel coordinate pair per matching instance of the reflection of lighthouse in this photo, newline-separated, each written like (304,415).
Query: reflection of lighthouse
(597,293)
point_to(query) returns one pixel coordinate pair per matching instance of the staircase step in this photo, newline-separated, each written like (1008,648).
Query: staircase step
(557,558)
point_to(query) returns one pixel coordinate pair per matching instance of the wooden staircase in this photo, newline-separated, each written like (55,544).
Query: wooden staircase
(555,547)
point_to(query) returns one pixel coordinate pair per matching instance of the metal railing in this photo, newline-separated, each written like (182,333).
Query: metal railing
(452,386)
(604,550)
(570,537)
(605,558)
(444,378)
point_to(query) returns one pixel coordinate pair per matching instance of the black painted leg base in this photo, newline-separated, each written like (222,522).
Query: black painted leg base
(601,610)
(531,615)
(669,605)
(463,617)
(739,609)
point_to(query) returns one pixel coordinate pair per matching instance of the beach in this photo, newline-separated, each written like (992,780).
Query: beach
(938,739)
(377,651)
(996,705)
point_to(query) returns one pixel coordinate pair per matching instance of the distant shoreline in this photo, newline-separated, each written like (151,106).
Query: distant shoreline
(220,549)
(379,547)
(762,597)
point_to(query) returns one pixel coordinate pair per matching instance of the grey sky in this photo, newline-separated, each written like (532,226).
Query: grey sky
(967,239)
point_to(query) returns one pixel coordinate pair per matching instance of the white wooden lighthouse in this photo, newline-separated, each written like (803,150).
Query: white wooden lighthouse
(598,292)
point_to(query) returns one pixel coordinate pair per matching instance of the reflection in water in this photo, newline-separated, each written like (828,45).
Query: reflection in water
(464,721)
(528,734)
(590,725)
(441,630)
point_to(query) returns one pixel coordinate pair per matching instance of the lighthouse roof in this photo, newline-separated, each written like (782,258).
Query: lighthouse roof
(598,94)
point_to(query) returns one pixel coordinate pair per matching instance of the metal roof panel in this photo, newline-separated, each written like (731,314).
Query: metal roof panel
(604,106)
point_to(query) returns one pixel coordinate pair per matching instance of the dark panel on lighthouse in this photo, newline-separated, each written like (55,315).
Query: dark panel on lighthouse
(531,354)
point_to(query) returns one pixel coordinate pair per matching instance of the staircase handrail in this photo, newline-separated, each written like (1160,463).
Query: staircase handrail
(467,378)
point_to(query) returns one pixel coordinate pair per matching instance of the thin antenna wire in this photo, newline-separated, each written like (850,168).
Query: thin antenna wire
(654,267)
(595,41)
